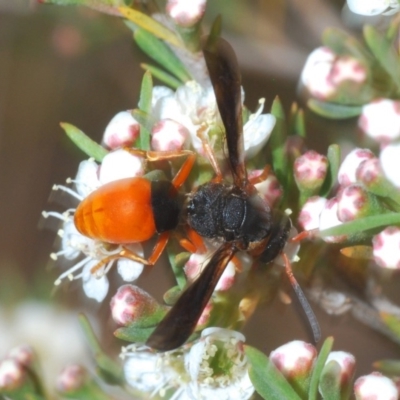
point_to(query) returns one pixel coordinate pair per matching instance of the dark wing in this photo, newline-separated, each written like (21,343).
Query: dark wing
(225,77)
(181,320)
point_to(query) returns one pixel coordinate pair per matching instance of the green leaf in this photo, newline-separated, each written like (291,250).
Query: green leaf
(171,295)
(362,224)
(162,76)
(177,262)
(277,142)
(330,381)
(333,156)
(384,51)
(392,322)
(143,141)
(342,43)
(146,93)
(87,145)
(133,333)
(299,126)
(332,110)
(150,25)
(388,367)
(109,370)
(318,367)
(161,53)
(268,381)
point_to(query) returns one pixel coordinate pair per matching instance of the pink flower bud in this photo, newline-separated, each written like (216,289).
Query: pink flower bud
(352,203)
(24,354)
(120,164)
(122,130)
(294,359)
(348,168)
(168,135)
(186,13)
(369,172)
(310,213)
(346,362)
(324,73)
(268,189)
(386,248)
(310,170)
(131,302)
(205,315)
(390,162)
(329,219)
(380,120)
(12,374)
(71,378)
(375,386)
(197,262)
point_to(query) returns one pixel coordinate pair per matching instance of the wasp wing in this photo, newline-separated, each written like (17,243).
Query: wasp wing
(181,320)
(226,80)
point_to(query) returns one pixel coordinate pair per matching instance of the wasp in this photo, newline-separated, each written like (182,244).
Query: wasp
(231,213)
(133,210)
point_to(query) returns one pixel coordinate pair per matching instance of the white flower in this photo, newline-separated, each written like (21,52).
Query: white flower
(154,373)
(381,120)
(329,218)
(116,165)
(218,367)
(194,107)
(168,135)
(373,7)
(390,163)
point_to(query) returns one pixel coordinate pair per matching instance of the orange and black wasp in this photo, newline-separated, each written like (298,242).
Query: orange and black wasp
(232,213)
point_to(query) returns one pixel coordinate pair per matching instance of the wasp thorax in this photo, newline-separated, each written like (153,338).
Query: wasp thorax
(223,211)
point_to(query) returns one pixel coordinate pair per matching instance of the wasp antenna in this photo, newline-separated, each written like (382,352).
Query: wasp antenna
(312,319)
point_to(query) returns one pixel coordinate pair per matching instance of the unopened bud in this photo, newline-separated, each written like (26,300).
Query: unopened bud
(356,202)
(329,219)
(71,379)
(390,162)
(24,354)
(122,130)
(186,13)
(130,303)
(347,364)
(375,386)
(349,166)
(197,262)
(310,171)
(120,164)
(380,120)
(12,375)
(168,135)
(386,246)
(310,213)
(268,189)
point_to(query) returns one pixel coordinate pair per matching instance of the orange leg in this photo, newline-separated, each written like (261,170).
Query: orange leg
(262,177)
(126,253)
(210,154)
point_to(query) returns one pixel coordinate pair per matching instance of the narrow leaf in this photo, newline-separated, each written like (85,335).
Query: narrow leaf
(318,367)
(150,25)
(330,381)
(333,156)
(358,252)
(161,53)
(277,141)
(162,76)
(268,381)
(332,110)
(388,367)
(146,92)
(87,145)
(133,333)
(110,371)
(362,224)
(384,52)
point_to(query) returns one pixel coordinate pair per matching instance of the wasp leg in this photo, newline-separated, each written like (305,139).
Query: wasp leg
(131,255)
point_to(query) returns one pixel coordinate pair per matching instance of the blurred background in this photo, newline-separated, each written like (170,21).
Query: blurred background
(76,65)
